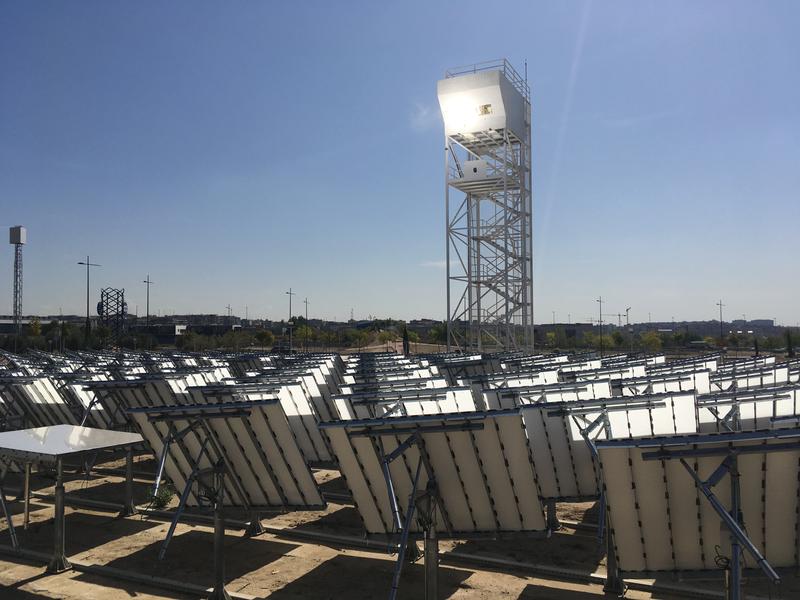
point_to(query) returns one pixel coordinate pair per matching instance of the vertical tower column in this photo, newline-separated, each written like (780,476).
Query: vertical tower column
(18,236)
(17,286)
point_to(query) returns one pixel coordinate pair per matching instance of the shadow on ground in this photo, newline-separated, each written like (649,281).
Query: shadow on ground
(190,558)
(335,485)
(359,578)
(83,531)
(569,549)
(591,515)
(345,521)
(11,593)
(541,592)
(113,491)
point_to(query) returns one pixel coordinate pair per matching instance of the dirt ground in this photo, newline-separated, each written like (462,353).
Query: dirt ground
(279,565)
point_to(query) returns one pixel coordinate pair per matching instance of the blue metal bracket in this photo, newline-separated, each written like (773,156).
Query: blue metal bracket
(730,420)
(401,551)
(392,431)
(88,410)
(11,531)
(600,423)
(193,476)
(385,460)
(173,436)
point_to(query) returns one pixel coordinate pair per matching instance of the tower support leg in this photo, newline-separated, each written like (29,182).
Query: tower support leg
(412,552)
(219,592)
(614,584)
(128,508)
(59,562)
(404,536)
(552,517)
(254,527)
(426,507)
(733,579)
(26,490)
(431,564)
(11,531)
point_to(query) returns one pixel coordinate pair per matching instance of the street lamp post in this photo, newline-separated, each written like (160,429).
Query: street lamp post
(88,322)
(148,283)
(290,293)
(305,336)
(628,327)
(600,301)
(720,304)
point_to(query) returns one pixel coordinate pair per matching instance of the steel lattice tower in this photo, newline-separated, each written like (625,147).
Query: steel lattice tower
(489,209)
(113,311)
(18,237)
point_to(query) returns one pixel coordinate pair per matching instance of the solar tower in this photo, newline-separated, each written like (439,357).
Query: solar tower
(488,203)
(17,236)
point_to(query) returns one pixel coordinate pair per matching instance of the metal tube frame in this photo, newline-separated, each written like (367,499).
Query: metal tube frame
(404,532)
(733,522)
(11,531)
(425,505)
(59,563)
(26,491)
(193,476)
(128,507)
(219,592)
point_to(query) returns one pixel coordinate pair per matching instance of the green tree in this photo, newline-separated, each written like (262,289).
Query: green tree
(73,336)
(265,338)
(195,342)
(667,341)
(329,338)
(52,333)
(350,337)
(608,342)
(103,334)
(384,337)
(588,339)
(618,338)
(364,338)
(50,328)
(651,341)
(35,327)
(593,340)
(438,334)
(303,334)
(236,340)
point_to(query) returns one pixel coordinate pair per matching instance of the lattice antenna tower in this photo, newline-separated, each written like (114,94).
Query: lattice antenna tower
(489,209)
(113,311)
(18,236)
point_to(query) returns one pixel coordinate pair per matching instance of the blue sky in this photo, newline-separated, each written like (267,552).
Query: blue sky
(235,149)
